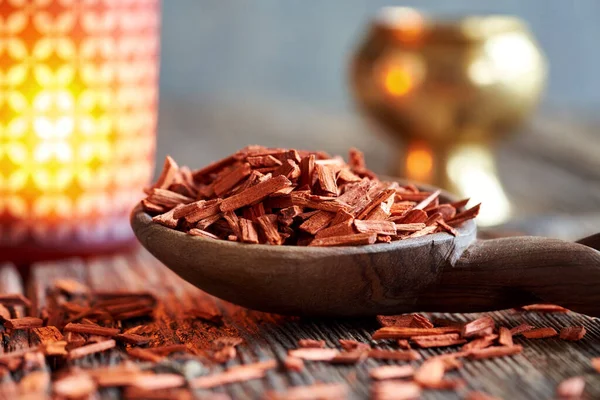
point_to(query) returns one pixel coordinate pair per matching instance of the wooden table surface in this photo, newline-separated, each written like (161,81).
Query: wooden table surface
(532,375)
(552,174)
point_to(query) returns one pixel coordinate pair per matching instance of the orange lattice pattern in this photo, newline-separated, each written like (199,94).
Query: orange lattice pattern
(78,97)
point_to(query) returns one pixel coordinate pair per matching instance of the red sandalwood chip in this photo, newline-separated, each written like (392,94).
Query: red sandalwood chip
(572,333)
(313,354)
(392,372)
(540,333)
(395,390)
(293,364)
(400,355)
(279,196)
(444,340)
(320,391)
(505,337)
(480,396)
(311,343)
(549,308)
(596,363)
(492,352)
(430,373)
(517,330)
(393,332)
(480,327)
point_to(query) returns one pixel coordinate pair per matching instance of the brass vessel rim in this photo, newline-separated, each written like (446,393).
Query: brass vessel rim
(470,28)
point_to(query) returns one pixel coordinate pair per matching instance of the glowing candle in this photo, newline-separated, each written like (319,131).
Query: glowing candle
(78,98)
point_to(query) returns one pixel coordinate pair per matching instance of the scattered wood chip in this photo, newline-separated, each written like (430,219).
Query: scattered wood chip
(114,376)
(144,354)
(320,391)
(157,381)
(91,329)
(573,333)
(223,354)
(74,386)
(23,323)
(400,355)
(293,364)
(403,344)
(443,340)
(86,350)
(480,343)
(517,330)
(596,363)
(225,341)
(420,321)
(430,373)
(311,343)
(34,384)
(403,321)
(168,349)
(480,327)
(209,315)
(540,333)
(391,372)
(350,357)
(480,396)
(492,352)
(132,338)
(393,332)
(395,390)
(349,345)
(548,308)
(313,354)
(71,286)
(505,336)
(235,374)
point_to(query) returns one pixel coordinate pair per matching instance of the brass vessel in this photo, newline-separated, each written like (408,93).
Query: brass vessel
(447,89)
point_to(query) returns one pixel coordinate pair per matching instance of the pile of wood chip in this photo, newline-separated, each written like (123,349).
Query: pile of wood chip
(292,197)
(79,324)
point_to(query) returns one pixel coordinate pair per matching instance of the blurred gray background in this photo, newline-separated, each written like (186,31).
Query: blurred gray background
(296,50)
(273,72)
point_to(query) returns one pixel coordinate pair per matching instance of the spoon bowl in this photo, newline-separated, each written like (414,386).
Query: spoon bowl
(437,272)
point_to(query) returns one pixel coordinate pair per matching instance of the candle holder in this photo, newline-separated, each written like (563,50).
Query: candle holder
(78,105)
(448,89)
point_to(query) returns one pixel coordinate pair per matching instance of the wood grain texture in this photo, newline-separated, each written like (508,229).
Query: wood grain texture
(532,375)
(515,271)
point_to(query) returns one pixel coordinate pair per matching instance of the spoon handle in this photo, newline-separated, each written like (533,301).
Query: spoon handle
(512,272)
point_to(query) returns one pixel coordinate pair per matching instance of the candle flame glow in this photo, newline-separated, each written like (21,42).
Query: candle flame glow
(78,95)
(419,162)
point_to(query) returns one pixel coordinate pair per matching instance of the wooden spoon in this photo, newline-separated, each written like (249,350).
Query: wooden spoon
(437,272)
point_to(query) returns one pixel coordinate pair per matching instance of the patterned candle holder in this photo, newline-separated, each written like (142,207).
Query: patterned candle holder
(78,102)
